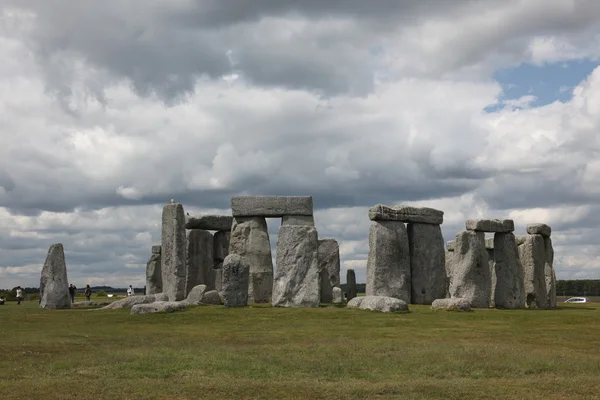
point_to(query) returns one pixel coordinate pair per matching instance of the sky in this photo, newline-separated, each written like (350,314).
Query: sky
(482,109)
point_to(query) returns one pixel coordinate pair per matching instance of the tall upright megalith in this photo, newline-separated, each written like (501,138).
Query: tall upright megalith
(489,248)
(533,258)
(153,272)
(236,272)
(54,284)
(329,268)
(199,260)
(427,263)
(471,272)
(352,290)
(549,273)
(509,290)
(173,251)
(449,266)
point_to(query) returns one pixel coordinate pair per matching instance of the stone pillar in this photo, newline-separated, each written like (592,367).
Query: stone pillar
(153,273)
(296,281)
(489,247)
(449,266)
(388,265)
(236,275)
(200,259)
(549,273)
(427,263)
(351,284)
(471,275)
(329,268)
(250,239)
(54,283)
(533,259)
(173,260)
(509,291)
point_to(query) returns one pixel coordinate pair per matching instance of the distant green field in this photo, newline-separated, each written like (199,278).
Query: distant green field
(272,353)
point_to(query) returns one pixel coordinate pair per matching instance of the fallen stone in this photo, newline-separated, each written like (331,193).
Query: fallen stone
(173,260)
(54,284)
(221,241)
(250,239)
(509,290)
(455,304)
(211,297)
(195,295)
(236,275)
(158,307)
(549,273)
(307,220)
(153,272)
(351,284)
(533,258)
(427,263)
(338,295)
(210,222)
(491,225)
(378,303)
(271,206)
(79,304)
(470,278)
(388,264)
(329,268)
(539,229)
(421,215)
(296,281)
(129,302)
(199,260)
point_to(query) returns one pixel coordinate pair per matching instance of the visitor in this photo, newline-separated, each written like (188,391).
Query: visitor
(19,295)
(2,301)
(88,292)
(72,290)
(130,291)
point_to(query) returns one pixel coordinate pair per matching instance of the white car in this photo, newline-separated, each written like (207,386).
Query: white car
(576,300)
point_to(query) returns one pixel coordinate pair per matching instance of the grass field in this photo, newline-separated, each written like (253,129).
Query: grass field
(270,353)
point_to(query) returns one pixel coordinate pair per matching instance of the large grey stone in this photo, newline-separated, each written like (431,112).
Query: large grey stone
(195,295)
(78,304)
(158,307)
(449,267)
(509,291)
(520,239)
(338,295)
(490,225)
(131,301)
(250,239)
(493,279)
(388,264)
(54,284)
(219,278)
(210,222)
(351,284)
(455,304)
(400,213)
(307,220)
(470,277)
(153,272)
(199,260)
(427,263)
(236,275)
(539,229)
(297,276)
(271,206)
(533,258)
(450,245)
(329,268)
(549,273)
(378,303)
(221,241)
(212,297)
(173,249)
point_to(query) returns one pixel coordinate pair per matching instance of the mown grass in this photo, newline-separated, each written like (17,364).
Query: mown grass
(271,353)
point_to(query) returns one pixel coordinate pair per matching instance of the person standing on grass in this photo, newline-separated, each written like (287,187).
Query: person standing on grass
(88,292)
(72,290)
(130,291)
(19,295)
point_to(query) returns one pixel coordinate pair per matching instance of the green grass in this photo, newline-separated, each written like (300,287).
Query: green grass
(271,353)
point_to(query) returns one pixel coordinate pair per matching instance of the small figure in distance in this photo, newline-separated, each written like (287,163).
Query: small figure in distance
(130,291)
(88,292)
(72,290)
(2,300)
(19,295)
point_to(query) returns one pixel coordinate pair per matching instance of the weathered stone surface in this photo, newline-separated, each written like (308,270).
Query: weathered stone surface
(250,239)
(161,297)
(195,295)
(199,260)
(509,291)
(400,213)
(338,295)
(549,273)
(297,277)
(539,229)
(158,307)
(54,284)
(351,284)
(470,277)
(78,304)
(329,268)
(129,302)
(211,297)
(210,222)
(449,266)
(450,245)
(219,279)
(307,220)
(271,206)
(388,264)
(378,303)
(173,262)
(236,276)
(489,243)
(490,225)
(221,241)
(520,239)
(153,272)
(493,279)
(455,304)
(533,258)
(427,263)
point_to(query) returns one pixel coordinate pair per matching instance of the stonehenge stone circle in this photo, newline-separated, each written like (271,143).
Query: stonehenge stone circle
(199,260)
(533,259)
(153,272)
(329,268)
(539,229)
(250,239)
(378,303)
(236,275)
(424,215)
(351,284)
(271,206)
(470,277)
(388,264)
(490,225)
(54,284)
(173,249)
(509,291)
(455,304)
(296,281)
(427,263)
(210,222)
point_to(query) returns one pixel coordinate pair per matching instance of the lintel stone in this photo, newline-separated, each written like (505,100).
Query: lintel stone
(423,215)
(491,225)
(209,222)
(271,206)
(539,229)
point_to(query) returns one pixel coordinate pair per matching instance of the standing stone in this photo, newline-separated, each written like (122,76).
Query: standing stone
(549,273)
(250,239)
(236,275)
(509,291)
(54,285)
(221,241)
(493,278)
(388,265)
(297,277)
(200,259)
(351,285)
(329,268)
(427,263)
(338,295)
(173,260)
(533,259)
(449,265)
(153,273)
(471,275)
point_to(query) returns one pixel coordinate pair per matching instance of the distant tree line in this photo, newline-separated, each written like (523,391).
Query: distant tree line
(32,293)
(579,287)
